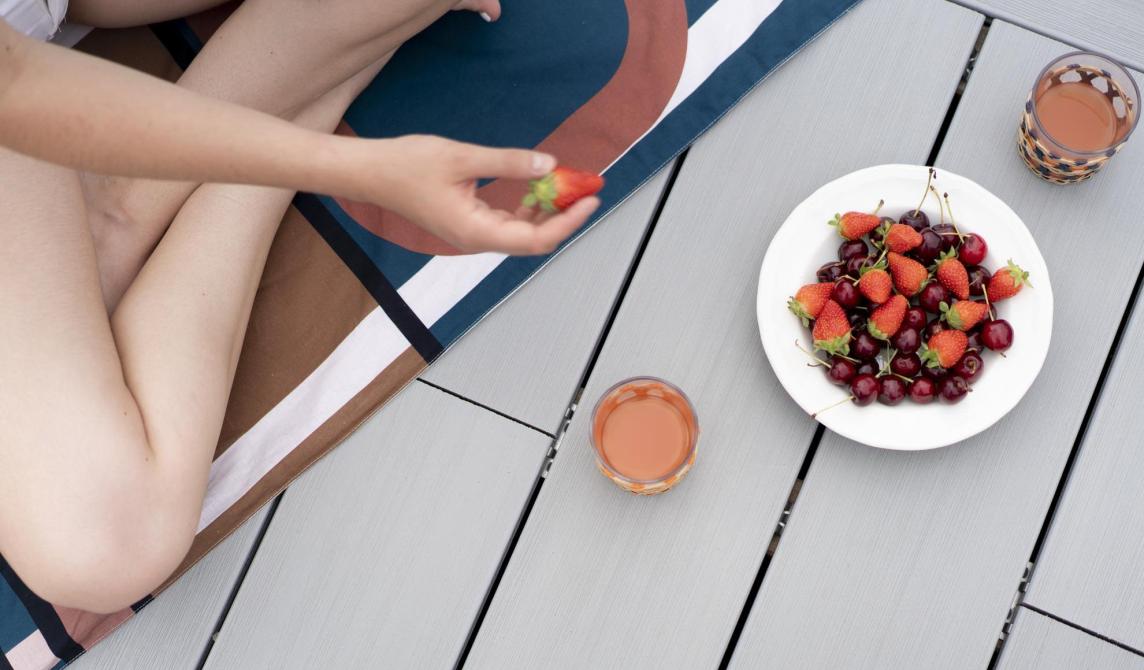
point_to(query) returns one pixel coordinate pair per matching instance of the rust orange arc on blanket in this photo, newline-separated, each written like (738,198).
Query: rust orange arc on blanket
(592,137)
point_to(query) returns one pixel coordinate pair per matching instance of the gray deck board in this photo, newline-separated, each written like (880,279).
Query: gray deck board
(604,579)
(1040,643)
(526,358)
(174,629)
(1112,27)
(1089,569)
(381,554)
(895,559)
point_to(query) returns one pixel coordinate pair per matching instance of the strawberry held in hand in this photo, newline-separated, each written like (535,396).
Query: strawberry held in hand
(808,301)
(832,330)
(561,188)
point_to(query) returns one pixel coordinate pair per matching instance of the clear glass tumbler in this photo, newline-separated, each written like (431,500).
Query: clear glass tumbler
(645,433)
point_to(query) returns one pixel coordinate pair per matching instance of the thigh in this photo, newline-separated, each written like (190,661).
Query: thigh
(59,369)
(128,13)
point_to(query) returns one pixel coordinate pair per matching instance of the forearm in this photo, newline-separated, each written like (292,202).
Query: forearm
(76,110)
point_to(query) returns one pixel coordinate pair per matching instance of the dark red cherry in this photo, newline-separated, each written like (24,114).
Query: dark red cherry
(968,366)
(906,365)
(831,272)
(931,297)
(865,347)
(972,250)
(846,294)
(916,219)
(893,391)
(864,389)
(953,389)
(932,329)
(906,340)
(978,280)
(851,249)
(997,334)
(930,247)
(841,371)
(915,318)
(923,390)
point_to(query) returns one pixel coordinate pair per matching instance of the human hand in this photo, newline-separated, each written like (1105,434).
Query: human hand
(432,182)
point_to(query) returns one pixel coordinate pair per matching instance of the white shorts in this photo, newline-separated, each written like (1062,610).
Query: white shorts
(39,19)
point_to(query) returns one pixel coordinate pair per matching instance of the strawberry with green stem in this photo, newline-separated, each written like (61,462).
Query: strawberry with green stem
(944,349)
(886,319)
(875,283)
(832,330)
(808,301)
(901,238)
(1007,282)
(909,275)
(560,189)
(963,315)
(951,274)
(855,225)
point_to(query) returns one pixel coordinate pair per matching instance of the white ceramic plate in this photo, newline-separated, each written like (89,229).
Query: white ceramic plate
(805,242)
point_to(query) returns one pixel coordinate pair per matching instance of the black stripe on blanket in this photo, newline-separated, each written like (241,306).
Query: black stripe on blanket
(43,615)
(372,278)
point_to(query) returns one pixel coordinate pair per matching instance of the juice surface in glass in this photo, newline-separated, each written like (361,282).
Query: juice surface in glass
(1080,117)
(645,432)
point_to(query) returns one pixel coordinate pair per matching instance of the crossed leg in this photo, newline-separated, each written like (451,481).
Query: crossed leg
(272,55)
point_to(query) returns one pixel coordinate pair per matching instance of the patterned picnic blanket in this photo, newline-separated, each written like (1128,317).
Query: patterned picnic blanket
(355,301)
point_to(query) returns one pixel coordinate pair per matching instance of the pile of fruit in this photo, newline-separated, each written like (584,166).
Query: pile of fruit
(908,309)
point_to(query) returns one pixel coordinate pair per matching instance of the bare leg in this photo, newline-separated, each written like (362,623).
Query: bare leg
(107,427)
(272,55)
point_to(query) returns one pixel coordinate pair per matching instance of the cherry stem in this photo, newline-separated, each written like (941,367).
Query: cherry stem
(940,206)
(879,207)
(844,400)
(816,359)
(988,305)
(902,377)
(925,193)
(951,219)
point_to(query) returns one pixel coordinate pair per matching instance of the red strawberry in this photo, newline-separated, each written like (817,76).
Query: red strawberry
(909,275)
(951,274)
(944,349)
(964,315)
(832,330)
(886,319)
(808,301)
(854,225)
(560,189)
(1007,282)
(901,238)
(875,284)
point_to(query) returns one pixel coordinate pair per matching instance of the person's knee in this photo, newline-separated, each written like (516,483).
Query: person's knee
(99,566)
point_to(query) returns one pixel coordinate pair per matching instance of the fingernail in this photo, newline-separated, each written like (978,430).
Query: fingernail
(486,17)
(542,163)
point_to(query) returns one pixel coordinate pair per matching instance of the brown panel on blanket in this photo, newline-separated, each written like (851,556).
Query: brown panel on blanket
(307,302)
(391,380)
(87,628)
(136,48)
